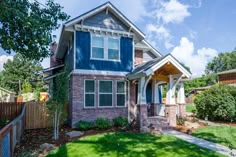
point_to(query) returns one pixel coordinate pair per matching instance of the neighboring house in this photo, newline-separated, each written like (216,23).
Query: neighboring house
(227,77)
(6,95)
(194,91)
(114,71)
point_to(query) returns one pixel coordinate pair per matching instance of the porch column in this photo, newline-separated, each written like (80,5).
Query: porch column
(156,93)
(142,107)
(181,100)
(156,98)
(170,110)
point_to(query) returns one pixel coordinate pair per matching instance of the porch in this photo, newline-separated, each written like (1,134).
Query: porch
(149,80)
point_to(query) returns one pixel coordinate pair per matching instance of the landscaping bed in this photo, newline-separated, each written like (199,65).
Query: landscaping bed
(130,145)
(34,138)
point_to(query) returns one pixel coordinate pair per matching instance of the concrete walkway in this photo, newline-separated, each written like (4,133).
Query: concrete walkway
(202,143)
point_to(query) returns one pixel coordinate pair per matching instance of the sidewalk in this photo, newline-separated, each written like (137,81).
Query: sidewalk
(202,143)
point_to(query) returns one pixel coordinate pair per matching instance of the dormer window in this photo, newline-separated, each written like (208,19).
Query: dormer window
(105,48)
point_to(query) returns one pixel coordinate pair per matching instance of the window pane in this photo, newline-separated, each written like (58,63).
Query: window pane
(113,54)
(89,86)
(89,100)
(120,101)
(113,43)
(97,52)
(98,41)
(120,87)
(105,86)
(105,99)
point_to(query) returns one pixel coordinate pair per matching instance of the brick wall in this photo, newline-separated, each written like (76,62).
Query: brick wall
(228,78)
(138,57)
(91,114)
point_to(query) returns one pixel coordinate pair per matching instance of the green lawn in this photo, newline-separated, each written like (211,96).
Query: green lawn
(130,145)
(191,108)
(224,135)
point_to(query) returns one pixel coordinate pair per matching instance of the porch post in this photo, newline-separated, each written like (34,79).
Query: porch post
(181,100)
(142,107)
(156,93)
(170,111)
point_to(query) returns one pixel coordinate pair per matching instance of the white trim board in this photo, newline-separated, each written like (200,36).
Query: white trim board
(110,7)
(99,72)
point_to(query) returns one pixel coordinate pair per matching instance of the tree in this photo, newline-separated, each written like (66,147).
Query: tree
(19,70)
(26,87)
(222,62)
(205,80)
(26,27)
(58,99)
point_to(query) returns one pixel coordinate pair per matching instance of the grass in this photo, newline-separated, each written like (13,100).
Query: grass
(224,135)
(130,145)
(191,108)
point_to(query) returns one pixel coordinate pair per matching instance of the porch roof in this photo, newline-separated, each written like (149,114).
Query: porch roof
(151,66)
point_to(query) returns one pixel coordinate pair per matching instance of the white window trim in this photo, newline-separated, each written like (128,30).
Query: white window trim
(121,93)
(90,93)
(105,93)
(105,47)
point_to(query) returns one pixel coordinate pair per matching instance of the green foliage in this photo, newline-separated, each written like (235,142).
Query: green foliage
(203,81)
(191,108)
(3,122)
(120,121)
(27,153)
(222,62)
(180,120)
(21,69)
(216,103)
(26,87)
(84,125)
(103,123)
(26,26)
(58,99)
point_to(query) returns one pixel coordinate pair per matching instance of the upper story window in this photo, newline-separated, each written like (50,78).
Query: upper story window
(105,48)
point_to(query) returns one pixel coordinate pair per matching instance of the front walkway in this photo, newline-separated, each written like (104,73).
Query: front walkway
(202,143)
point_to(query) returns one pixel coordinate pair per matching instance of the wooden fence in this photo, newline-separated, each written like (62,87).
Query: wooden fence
(10,110)
(37,116)
(11,134)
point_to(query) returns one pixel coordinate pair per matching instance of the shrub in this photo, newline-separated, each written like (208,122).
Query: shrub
(84,125)
(103,123)
(3,122)
(180,120)
(216,103)
(120,121)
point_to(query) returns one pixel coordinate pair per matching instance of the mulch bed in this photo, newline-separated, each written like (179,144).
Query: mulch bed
(33,139)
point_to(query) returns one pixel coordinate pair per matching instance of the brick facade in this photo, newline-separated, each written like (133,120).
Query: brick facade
(138,57)
(227,78)
(133,107)
(79,112)
(170,114)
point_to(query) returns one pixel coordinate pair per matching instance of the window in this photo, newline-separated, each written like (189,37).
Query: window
(105,48)
(113,49)
(89,93)
(105,93)
(120,93)
(97,47)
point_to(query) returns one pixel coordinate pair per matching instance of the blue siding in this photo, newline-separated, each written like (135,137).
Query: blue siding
(83,55)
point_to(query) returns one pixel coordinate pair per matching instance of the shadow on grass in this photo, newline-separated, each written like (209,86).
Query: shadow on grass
(131,145)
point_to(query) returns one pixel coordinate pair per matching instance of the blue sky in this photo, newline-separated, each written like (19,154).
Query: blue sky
(194,31)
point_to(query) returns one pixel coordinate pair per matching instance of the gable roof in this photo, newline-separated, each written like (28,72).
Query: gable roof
(151,66)
(114,10)
(7,91)
(227,72)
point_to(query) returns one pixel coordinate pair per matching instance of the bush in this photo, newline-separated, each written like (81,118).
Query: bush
(216,103)
(103,123)
(84,125)
(180,120)
(120,121)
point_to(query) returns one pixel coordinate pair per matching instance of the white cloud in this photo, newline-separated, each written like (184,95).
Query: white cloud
(197,62)
(172,12)
(4,59)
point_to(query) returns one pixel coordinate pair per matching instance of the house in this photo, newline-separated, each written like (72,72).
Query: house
(6,95)
(227,77)
(114,71)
